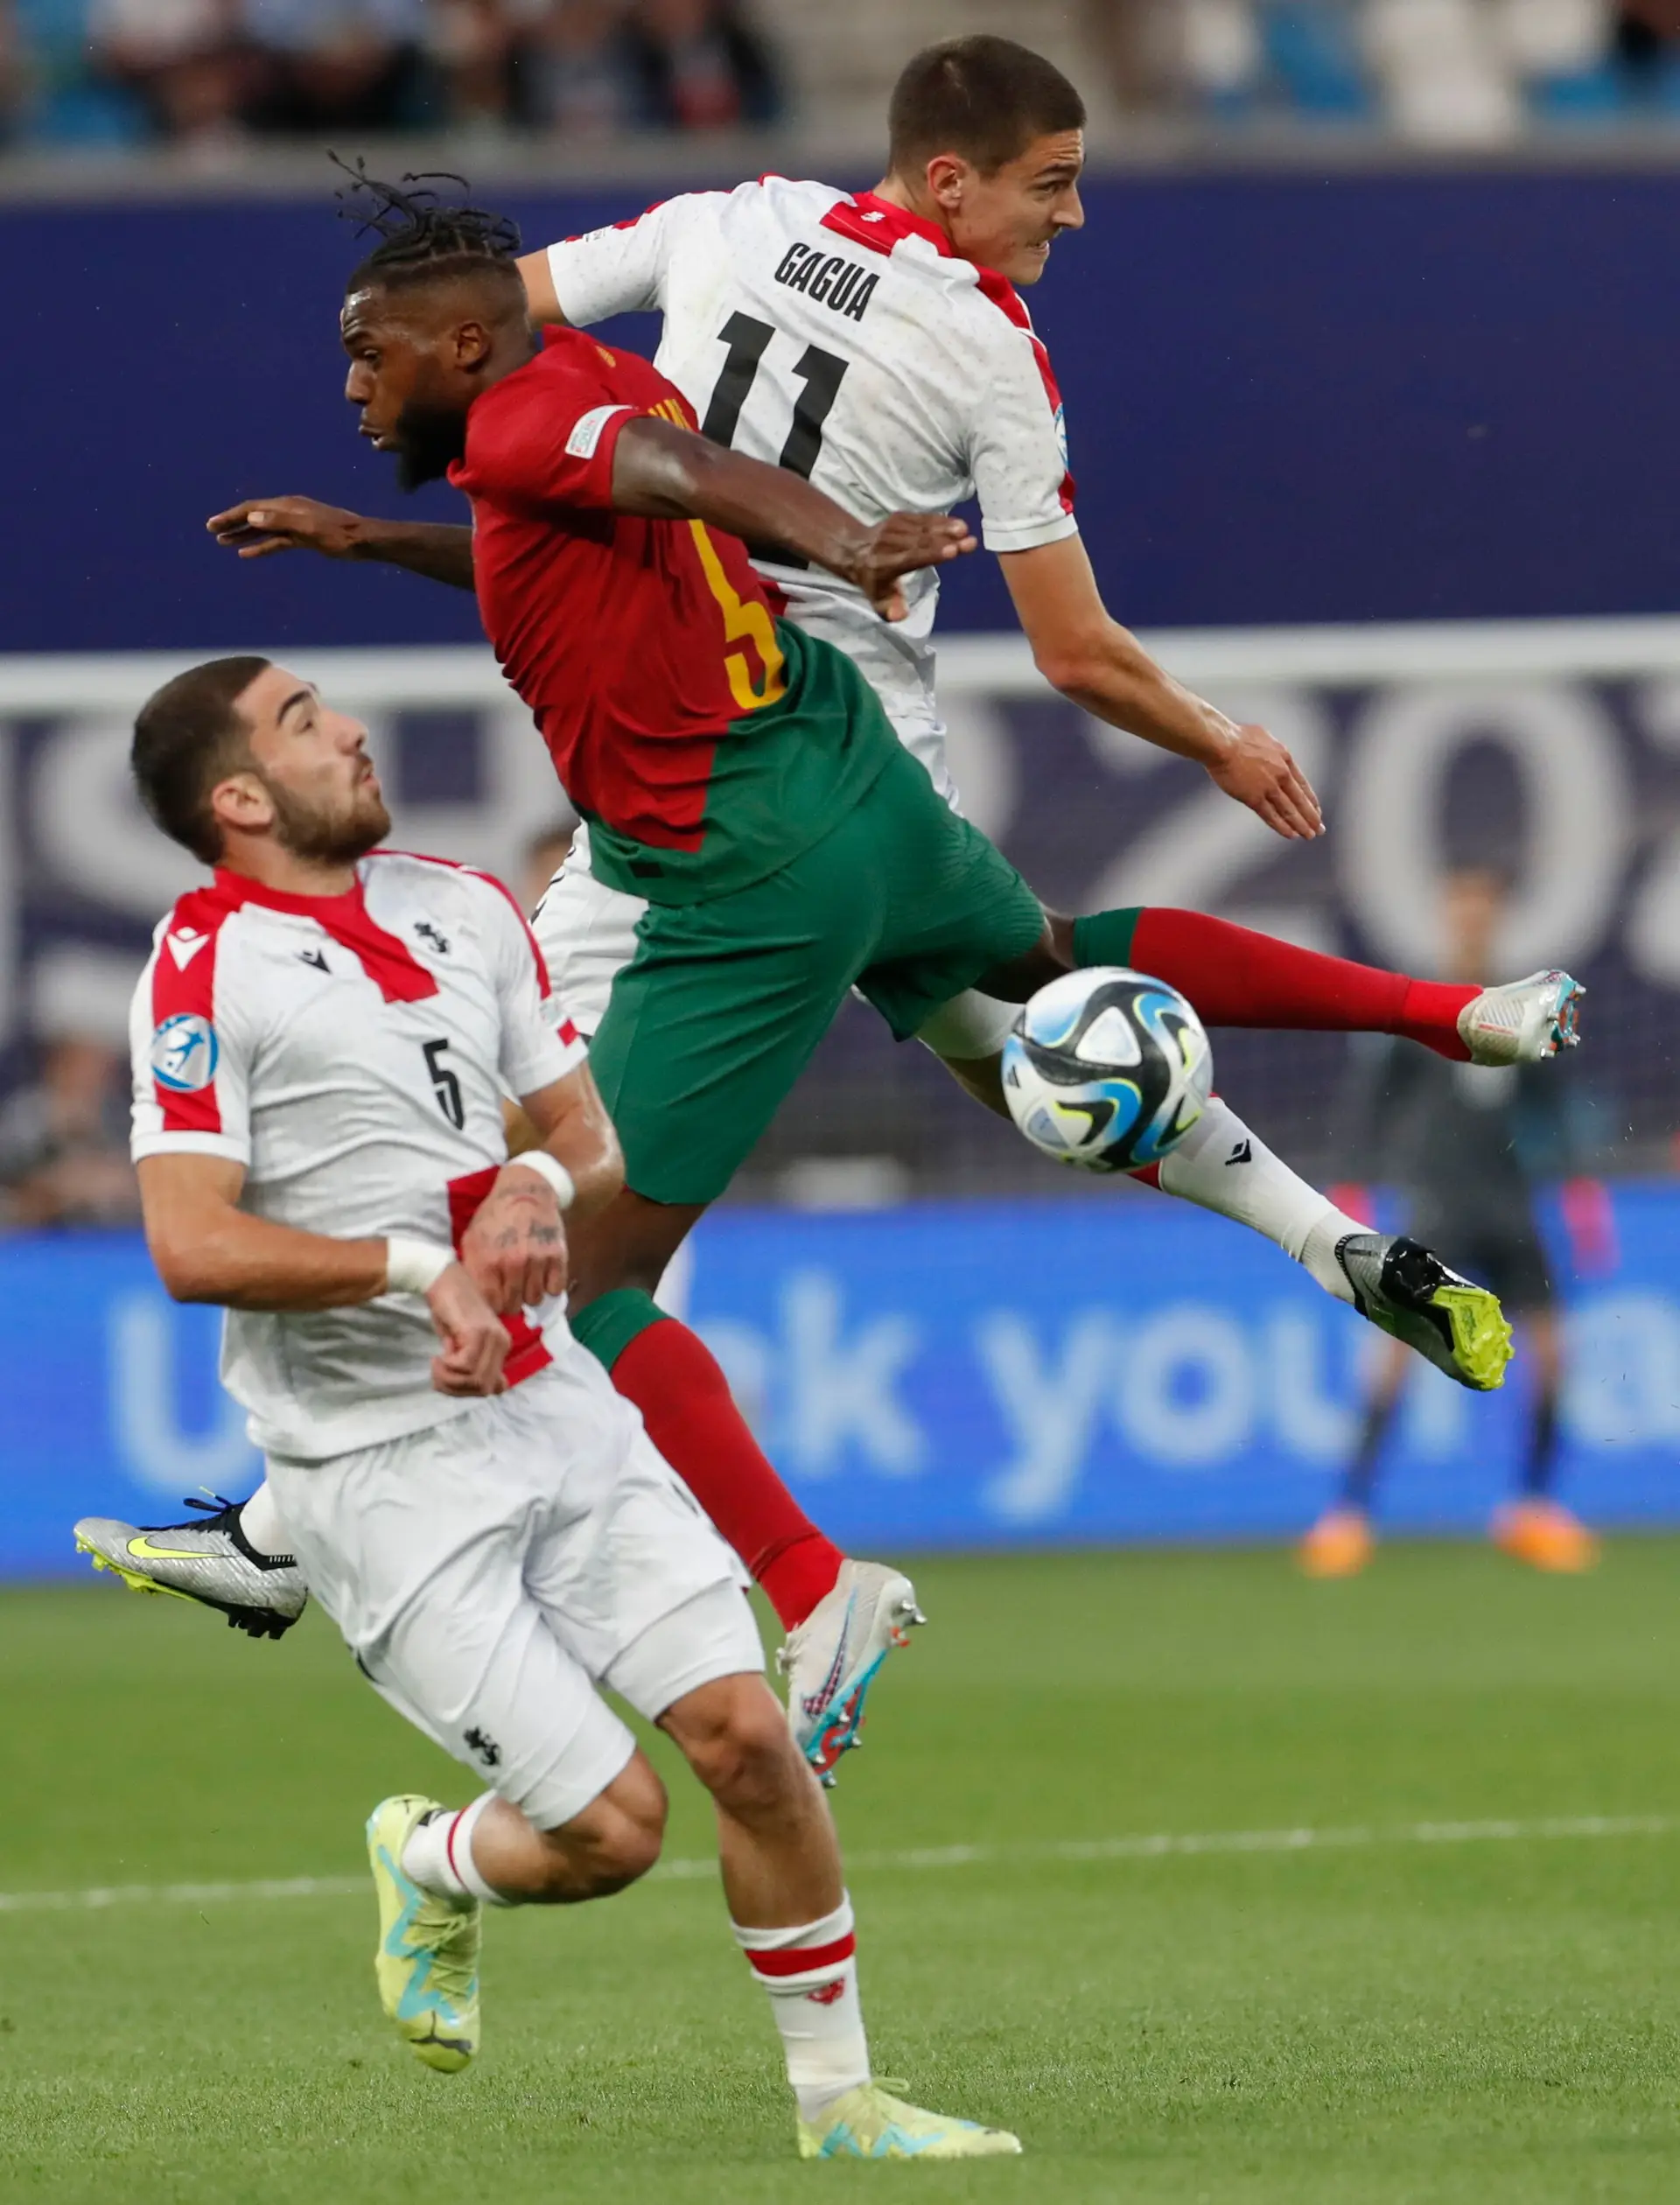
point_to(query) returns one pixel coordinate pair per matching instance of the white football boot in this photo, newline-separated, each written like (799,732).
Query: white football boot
(1524,1020)
(830,1660)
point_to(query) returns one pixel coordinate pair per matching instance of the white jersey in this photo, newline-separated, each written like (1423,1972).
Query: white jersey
(351,1053)
(839,336)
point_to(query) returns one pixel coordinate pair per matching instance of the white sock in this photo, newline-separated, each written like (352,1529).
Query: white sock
(439,1855)
(259,1521)
(811,1975)
(1222,1165)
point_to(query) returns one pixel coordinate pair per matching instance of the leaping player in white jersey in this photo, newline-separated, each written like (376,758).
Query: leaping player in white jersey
(322,1040)
(877,344)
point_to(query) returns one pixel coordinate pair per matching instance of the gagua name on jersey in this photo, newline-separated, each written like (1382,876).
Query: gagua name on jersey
(829,278)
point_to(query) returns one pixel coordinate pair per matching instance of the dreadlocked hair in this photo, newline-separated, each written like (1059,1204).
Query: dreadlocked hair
(422,236)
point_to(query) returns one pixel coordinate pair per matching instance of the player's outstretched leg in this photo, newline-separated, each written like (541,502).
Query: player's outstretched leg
(793,1921)
(213,1559)
(843,1618)
(1237,977)
(1402,1287)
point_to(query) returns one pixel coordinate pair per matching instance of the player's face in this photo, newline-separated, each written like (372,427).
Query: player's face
(1010,219)
(312,767)
(400,377)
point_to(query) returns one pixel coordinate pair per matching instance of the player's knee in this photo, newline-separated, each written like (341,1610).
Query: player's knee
(741,1751)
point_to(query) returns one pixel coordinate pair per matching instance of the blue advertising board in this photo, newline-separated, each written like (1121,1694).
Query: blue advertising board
(1290,397)
(943,1375)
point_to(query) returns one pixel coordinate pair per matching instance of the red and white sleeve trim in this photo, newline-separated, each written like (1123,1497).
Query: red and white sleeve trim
(183,999)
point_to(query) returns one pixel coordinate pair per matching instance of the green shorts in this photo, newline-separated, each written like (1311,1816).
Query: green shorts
(714,1017)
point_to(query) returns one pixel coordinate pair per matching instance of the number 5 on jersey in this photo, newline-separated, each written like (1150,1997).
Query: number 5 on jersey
(445,1085)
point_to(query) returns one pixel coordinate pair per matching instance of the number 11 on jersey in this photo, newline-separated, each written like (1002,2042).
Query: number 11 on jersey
(820,372)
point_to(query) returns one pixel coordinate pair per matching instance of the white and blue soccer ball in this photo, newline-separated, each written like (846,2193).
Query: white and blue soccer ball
(1107,1068)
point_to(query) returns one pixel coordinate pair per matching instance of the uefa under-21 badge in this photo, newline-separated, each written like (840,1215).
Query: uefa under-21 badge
(183,1053)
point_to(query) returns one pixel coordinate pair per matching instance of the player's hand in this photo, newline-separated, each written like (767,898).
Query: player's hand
(474,1338)
(515,1250)
(256,526)
(902,544)
(1260,773)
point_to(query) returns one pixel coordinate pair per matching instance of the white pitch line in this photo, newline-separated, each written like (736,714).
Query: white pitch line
(1160,1845)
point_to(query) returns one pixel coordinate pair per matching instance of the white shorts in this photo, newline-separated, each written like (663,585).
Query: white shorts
(490,1572)
(587,933)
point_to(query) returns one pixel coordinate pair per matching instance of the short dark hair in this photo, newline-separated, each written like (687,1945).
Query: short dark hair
(423,237)
(188,736)
(984,98)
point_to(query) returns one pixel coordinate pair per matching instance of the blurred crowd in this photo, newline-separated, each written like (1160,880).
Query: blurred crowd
(64,1138)
(104,73)
(1477,71)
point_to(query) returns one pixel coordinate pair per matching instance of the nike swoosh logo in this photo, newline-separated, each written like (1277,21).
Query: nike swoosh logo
(145,1551)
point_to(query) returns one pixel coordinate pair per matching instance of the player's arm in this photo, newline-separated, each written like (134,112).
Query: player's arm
(257,527)
(515,1246)
(1084,652)
(620,268)
(209,1250)
(665,473)
(540,295)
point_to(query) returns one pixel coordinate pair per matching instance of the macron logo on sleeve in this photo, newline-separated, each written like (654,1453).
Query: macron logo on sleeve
(185,944)
(586,430)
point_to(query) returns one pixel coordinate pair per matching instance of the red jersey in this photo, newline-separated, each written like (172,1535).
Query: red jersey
(673,705)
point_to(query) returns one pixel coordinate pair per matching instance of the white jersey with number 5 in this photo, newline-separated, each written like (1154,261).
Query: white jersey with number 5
(351,1053)
(839,336)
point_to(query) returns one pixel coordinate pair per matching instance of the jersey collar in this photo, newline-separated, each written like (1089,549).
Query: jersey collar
(386,959)
(867,218)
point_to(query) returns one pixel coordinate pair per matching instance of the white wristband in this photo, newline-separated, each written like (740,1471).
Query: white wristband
(551,1168)
(414,1266)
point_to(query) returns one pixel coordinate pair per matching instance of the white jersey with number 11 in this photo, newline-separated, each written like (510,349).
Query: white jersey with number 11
(839,336)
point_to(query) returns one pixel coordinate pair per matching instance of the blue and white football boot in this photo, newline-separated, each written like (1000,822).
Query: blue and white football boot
(1524,1021)
(832,1658)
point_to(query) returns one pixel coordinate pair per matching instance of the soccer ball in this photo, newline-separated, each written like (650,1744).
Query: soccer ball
(1107,1068)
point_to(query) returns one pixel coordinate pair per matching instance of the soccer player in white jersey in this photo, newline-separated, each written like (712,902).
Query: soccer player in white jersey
(322,1039)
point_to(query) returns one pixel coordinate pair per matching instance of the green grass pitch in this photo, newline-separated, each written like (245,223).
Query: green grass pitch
(1483,2017)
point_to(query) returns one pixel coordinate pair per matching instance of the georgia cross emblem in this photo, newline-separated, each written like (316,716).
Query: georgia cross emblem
(183,1053)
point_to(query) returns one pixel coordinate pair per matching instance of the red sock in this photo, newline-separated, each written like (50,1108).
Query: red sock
(675,1380)
(1237,977)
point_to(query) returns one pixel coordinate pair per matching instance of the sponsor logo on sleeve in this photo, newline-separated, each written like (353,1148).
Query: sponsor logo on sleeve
(183,1053)
(185,944)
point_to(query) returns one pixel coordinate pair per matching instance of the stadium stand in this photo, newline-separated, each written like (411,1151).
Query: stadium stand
(90,75)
